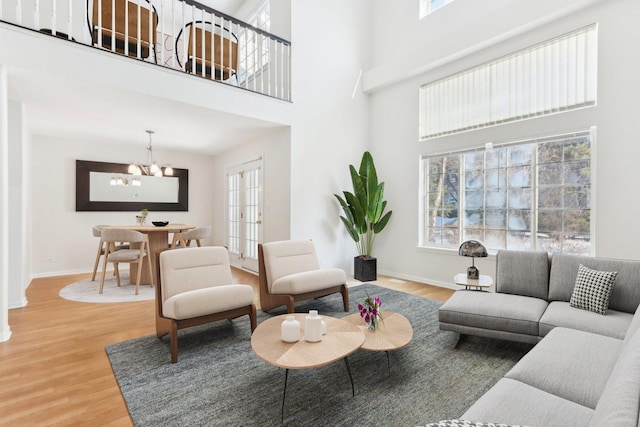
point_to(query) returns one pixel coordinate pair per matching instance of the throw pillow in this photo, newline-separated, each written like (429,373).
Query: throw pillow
(593,289)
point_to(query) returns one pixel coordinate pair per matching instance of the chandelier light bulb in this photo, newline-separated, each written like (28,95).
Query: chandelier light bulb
(113,181)
(154,168)
(168,170)
(120,181)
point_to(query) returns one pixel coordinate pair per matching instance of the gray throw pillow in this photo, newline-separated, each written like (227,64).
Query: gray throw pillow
(593,289)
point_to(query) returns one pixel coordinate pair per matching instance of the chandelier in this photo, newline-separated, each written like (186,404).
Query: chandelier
(152,168)
(137,169)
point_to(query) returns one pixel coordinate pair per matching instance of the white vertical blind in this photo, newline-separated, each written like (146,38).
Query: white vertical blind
(557,75)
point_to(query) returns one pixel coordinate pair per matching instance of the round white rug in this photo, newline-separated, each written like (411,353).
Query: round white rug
(87,291)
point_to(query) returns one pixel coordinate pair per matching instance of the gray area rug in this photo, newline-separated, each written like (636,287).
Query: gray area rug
(218,380)
(87,290)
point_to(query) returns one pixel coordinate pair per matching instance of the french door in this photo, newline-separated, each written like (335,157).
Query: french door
(244,213)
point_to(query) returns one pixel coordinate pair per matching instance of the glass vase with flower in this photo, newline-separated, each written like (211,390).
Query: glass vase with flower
(370,312)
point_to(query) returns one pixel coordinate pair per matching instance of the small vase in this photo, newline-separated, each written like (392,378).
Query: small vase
(373,323)
(313,327)
(290,329)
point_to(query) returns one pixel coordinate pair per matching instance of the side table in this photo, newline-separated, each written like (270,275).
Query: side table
(480,284)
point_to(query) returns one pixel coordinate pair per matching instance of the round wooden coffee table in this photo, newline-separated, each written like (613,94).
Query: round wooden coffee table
(342,339)
(393,332)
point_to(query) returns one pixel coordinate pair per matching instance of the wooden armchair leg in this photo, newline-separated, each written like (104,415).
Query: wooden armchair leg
(290,308)
(174,341)
(253,317)
(345,297)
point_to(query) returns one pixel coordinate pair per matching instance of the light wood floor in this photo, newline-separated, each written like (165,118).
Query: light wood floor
(54,370)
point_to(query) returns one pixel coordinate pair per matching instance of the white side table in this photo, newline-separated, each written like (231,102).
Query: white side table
(477,284)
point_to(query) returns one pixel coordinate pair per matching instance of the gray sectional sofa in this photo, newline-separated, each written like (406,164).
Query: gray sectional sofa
(585,367)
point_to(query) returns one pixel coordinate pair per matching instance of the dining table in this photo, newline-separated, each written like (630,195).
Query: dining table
(158,242)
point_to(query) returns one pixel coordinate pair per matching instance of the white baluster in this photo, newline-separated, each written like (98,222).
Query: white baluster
(139,32)
(54,12)
(70,21)
(113,24)
(36,13)
(162,33)
(19,12)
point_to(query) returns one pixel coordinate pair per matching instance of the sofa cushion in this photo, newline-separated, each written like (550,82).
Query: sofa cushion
(619,405)
(574,365)
(288,257)
(614,324)
(634,325)
(625,295)
(201,302)
(513,402)
(500,312)
(523,273)
(593,289)
(309,281)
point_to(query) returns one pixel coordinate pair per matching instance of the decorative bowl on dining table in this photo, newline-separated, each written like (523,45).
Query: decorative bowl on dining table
(159,223)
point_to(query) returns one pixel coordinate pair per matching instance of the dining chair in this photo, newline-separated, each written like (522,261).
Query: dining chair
(111,236)
(184,238)
(289,271)
(195,287)
(97,232)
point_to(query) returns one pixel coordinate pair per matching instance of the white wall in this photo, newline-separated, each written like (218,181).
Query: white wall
(394,121)
(329,131)
(64,234)
(5,330)
(19,255)
(274,148)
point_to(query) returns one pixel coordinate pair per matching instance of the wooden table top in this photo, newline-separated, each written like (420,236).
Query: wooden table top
(150,228)
(393,332)
(342,339)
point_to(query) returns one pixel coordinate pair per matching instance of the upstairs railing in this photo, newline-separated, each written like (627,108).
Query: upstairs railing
(178,34)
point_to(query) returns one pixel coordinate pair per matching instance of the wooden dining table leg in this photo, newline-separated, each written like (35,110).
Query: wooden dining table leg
(158,241)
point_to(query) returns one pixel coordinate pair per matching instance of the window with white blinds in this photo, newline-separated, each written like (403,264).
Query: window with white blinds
(551,77)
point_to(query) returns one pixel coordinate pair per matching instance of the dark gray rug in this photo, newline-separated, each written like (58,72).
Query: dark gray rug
(219,381)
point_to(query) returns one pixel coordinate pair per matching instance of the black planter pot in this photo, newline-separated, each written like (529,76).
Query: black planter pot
(364,268)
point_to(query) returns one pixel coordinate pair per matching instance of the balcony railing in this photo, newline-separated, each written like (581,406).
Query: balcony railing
(178,34)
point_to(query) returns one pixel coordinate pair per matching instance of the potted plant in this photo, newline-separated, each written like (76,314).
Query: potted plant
(364,215)
(141,218)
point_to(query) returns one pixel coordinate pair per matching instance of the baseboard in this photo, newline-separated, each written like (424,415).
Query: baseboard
(70,272)
(5,335)
(425,280)
(20,304)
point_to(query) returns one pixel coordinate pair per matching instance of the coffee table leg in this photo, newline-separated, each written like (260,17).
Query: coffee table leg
(346,362)
(388,363)
(286,375)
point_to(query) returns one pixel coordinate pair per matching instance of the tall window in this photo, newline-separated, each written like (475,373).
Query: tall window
(551,77)
(254,48)
(529,195)
(429,6)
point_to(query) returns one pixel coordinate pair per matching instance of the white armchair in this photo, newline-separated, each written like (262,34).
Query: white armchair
(196,288)
(289,271)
